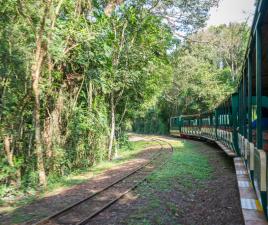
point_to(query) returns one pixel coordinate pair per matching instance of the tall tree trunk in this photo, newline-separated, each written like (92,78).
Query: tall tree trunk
(115,148)
(2,99)
(112,126)
(37,123)
(233,71)
(90,95)
(10,153)
(52,126)
(36,70)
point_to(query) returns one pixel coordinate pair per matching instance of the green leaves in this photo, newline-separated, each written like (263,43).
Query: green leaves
(88,56)
(206,68)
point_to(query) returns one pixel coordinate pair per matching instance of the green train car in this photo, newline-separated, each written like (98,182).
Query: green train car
(239,125)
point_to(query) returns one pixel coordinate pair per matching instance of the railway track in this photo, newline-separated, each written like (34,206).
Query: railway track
(84,210)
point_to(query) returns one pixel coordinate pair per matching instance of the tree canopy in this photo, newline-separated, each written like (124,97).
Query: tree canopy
(76,75)
(206,68)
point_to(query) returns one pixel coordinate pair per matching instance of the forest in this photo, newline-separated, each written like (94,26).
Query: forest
(77,75)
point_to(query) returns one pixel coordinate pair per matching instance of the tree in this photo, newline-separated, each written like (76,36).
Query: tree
(74,75)
(206,68)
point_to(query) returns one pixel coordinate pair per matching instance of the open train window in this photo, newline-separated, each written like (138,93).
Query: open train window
(264,81)
(259,62)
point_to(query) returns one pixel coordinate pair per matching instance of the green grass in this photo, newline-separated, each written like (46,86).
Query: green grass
(77,177)
(19,218)
(136,145)
(185,165)
(186,168)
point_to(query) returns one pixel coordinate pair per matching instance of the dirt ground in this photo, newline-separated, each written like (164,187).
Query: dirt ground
(57,201)
(214,201)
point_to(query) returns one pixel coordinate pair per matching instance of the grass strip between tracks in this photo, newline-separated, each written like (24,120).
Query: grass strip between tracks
(105,188)
(187,169)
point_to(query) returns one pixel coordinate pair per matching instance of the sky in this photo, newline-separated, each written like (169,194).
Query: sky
(232,11)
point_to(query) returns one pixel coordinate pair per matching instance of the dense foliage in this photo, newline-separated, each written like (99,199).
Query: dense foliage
(74,74)
(206,68)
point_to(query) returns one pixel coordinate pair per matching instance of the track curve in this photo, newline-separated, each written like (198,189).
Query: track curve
(83,211)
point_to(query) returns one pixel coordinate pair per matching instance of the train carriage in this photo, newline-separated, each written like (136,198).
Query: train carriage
(239,125)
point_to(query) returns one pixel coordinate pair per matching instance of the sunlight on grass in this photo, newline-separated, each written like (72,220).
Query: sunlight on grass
(185,165)
(186,168)
(125,154)
(59,185)
(56,186)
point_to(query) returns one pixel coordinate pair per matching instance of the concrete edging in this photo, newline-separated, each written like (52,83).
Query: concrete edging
(251,208)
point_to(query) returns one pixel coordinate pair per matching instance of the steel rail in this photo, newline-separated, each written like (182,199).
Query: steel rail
(57,214)
(86,220)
